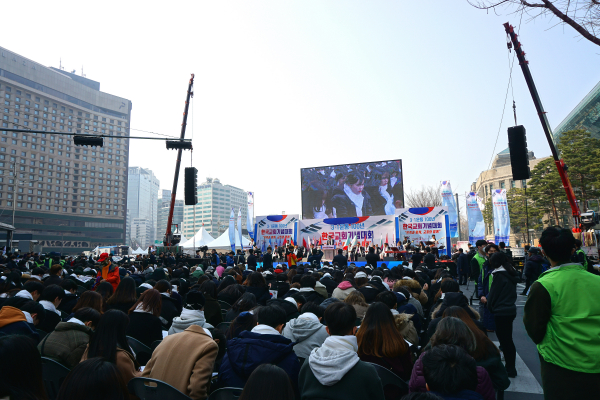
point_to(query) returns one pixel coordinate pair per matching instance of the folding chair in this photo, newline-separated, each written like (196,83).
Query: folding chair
(142,352)
(153,389)
(53,375)
(227,393)
(389,378)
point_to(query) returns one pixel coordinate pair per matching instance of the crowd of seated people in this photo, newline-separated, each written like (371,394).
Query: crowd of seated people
(325,335)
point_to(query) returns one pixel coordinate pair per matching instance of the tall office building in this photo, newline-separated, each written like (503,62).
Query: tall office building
(164,202)
(142,204)
(215,201)
(67,198)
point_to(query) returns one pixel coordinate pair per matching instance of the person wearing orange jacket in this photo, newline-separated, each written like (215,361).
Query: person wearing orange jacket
(108,272)
(291,258)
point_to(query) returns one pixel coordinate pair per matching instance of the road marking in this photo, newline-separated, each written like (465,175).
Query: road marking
(525,382)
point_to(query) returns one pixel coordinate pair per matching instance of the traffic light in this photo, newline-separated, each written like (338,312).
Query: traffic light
(179,144)
(191,184)
(88,141)
(519,157)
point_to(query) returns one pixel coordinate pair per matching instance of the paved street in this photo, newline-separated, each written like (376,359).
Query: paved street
(527,385)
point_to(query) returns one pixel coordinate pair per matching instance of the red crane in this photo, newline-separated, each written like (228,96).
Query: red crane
(169,239)
(560,164)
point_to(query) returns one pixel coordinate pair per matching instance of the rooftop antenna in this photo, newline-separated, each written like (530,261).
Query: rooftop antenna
(60,64)
(82,74)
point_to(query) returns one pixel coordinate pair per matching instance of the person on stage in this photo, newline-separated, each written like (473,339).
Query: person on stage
(434,246)
(353,201)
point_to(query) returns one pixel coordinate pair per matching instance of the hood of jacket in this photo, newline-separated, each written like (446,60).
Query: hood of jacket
(287,306)
(302,328)
(344,285)
(511,276)
(536,258)
(187,318)
(9,315)
(70,326)
(330,362)
(455,299)
(251,349)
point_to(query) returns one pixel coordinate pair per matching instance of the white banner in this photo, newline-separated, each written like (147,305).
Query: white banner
(250,216)
(501,217)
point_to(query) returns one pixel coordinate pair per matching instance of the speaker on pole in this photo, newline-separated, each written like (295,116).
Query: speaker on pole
(519,157)
(191,184)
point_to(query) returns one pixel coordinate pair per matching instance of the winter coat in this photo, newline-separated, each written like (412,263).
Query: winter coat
(66,344)
(68,302)
(112,277)
(463,264)
(334,372)
(321,290)
(227,298)
(343,290)
(454,299)
(185,361)
(261,293)
(120,306)
(125,363)
(533,268)
(249,350)
(407,328)
(306,332)
(168,311)
(484,383)
(370,292)
(50,321)
(282,289)
(462,395)
(345,207)
(189,317)
(329,283)
(311,295)
(360,311)
(483,281)
(212,311)
(401,366)
(144,327)
(414,287)
(503,293)
(291,310)
(14,322)
(495,369)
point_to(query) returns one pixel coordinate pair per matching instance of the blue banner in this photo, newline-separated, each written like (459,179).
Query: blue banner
(501,217)
(232,230)
(449,201)
(475,218)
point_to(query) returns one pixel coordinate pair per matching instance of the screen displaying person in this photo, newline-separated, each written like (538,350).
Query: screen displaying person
(382,197)
(353,201)
(319,202)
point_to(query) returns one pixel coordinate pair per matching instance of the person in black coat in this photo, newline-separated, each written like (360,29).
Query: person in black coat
(268,258)
(251,260)
(372,258)
(54,278)
(463,267)
(340,259)
(307,283)
(144,318)
(352,200)
(281,285)
(256,284)
(170,307)
(533,268)
(71,298)
(50,299)
(429,258)
(329,283)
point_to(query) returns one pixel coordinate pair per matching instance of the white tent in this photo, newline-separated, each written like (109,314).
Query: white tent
(222,242)
(139,251)
(201,238)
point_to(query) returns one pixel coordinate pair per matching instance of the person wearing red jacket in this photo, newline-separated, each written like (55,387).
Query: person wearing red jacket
(108,272)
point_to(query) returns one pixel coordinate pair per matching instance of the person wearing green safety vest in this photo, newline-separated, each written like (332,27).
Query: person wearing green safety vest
(580,257)
(476,265)
(484,284)
(563,319)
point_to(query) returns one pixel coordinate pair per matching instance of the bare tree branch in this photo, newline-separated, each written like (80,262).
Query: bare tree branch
(427,196)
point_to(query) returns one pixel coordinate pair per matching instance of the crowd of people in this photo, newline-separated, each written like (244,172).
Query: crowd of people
(297,331)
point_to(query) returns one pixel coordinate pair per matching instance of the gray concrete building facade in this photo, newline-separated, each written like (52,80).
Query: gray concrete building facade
(68,198)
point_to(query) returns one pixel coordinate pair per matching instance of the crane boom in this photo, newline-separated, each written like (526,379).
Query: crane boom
(168,239)
(560,164)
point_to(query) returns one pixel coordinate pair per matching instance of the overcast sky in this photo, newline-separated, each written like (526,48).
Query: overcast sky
(282,85)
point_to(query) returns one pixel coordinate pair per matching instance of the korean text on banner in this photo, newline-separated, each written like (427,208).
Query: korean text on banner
(275,229)
(420,224)
(449,201)
(501,217)
(239,228)
(250,216)
(364,230)
(232,230)
(475,218)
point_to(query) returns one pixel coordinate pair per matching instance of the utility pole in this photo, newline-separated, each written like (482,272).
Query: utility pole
(457,214)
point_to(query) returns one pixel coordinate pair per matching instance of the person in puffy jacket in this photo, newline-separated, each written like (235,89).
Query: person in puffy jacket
(192,314)
(343,290)
(533,268)
(306,331)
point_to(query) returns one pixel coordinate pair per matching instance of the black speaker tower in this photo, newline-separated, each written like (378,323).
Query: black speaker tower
(191,186)
(519,157)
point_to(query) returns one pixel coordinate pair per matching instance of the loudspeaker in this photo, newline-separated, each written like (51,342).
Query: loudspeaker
(519,158)
(191,184)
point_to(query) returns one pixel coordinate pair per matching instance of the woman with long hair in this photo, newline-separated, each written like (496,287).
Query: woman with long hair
(231,293)
(20,369)
(109,341)
(268,382)
(144,318)
(352,200)
(106,290)
(94,379)
(245,321)
(455,332)
(357,300)
(124,296)
(486,354)
(170,307)
(245,303)
(380,342)
(212,309)
(256,284)
(501,302)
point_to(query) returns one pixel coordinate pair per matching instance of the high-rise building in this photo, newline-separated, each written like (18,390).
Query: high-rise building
(215,202)
(586,115)
(164,202)
(67,198)
(142,204)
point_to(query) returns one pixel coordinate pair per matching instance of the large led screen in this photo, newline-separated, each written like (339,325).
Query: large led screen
(352,190)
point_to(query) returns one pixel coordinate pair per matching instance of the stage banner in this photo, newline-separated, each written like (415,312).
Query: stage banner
(232,230)
(449,201)
(273,230)
(239,228)
(250,215)
(420,224)
(360,230)
(475,218)
(501,217)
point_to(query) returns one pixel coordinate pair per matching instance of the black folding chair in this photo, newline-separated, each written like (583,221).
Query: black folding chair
(155,344)
(53,375)
(142,352)
(389,378)
(227,393)
(153,389)
(224,305)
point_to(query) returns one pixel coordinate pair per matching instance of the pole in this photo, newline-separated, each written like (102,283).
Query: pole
(457,214)
(168,240)
(527,216)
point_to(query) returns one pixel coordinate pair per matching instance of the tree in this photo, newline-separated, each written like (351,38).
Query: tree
(582,15)
(427,196)
(522,212)
(488,215)
(546,191)
(581,154)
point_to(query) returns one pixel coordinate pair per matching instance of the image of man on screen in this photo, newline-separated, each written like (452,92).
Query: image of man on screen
(353,201)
